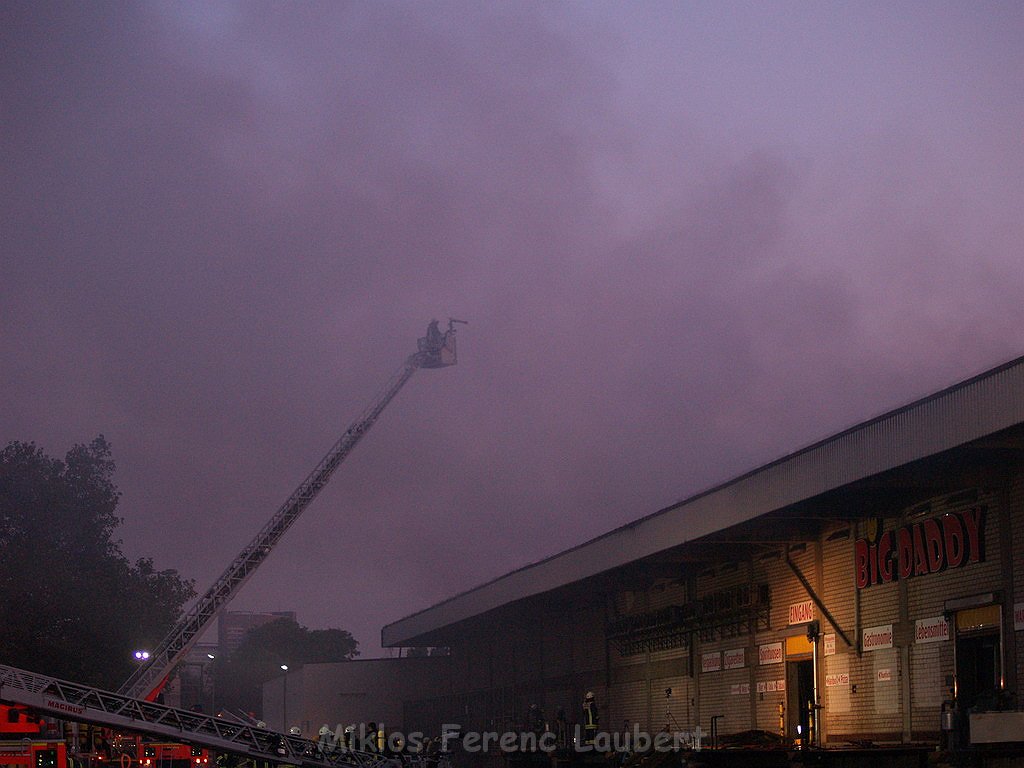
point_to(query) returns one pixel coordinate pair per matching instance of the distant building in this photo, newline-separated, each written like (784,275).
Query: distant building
(235,625)
(195,683)
(353,692)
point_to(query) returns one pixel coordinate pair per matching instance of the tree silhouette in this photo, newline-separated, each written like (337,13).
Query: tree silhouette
(71,604)
(265,648)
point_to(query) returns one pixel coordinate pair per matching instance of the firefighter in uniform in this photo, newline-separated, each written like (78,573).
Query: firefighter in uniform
(435,339)
(561,729)
(590,718)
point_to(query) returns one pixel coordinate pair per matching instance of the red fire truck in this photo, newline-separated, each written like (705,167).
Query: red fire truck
(26,741)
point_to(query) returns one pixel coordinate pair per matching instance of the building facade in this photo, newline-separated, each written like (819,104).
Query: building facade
(897,545)
(233,626)
(352,692)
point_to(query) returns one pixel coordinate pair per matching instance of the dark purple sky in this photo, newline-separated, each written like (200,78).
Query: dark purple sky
(689,237)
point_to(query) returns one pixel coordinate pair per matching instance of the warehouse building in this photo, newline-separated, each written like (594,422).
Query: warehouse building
(902,537)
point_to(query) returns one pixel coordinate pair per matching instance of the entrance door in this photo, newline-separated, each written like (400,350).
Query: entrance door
(800,693)
(979,664)
(977,669)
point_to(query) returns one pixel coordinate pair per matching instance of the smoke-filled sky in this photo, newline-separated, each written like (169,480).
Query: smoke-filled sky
(689,237)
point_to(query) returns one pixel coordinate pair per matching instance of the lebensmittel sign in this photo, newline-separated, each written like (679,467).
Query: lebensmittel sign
(933,630)
(877,638)
(770,653)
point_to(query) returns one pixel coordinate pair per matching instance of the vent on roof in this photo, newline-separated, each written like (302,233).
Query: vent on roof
(920,510)
(963,497)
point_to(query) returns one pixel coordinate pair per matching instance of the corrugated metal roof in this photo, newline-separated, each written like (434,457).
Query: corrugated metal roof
(972,409)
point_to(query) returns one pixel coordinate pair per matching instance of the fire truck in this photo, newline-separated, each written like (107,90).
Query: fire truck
(122,743)
(29,741)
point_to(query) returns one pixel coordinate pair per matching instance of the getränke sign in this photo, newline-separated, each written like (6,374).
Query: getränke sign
(950,541)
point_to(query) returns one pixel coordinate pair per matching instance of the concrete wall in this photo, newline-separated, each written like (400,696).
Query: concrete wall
(370,690)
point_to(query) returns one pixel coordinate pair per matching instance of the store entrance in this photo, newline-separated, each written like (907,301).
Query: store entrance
(977,669)
(800,693)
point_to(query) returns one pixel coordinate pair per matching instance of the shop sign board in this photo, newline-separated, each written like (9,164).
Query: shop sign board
(930,546)
(831,681)
(828,644)
(770,653)
(877,638)
(711,662)
(801,613)
(933,630)
(735,659)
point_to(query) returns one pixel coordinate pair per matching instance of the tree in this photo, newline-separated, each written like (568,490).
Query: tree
(71,604)
(265,648)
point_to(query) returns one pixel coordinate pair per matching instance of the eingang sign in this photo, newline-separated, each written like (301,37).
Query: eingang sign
(950,541)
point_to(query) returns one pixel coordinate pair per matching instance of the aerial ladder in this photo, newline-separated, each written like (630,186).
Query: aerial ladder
(65,700)
(435,350)
(134,705)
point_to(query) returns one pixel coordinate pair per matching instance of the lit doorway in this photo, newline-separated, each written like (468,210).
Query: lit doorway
(799,695)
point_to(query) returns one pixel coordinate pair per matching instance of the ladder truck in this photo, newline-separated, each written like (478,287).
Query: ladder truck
(437,349)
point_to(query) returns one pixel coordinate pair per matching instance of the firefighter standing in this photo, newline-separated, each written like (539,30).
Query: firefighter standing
(435,339)
(590,718)
(561,729)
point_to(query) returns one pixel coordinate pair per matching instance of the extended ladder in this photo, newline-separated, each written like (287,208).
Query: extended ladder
(85,704)
(147,681)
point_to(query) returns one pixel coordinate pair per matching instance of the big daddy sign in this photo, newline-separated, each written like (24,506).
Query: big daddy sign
(950,541)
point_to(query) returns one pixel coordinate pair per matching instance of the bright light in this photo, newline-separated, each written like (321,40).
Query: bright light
(284,667)
(210,656)
(141,655)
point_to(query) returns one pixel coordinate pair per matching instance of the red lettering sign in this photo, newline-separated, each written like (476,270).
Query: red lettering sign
(933,545)
(886,566)
(973,522)
(930,546)
(860,562)
(953,535)
(905,552)
(801,613)
(770,653)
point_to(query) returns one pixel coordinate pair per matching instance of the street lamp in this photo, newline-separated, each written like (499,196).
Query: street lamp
(213,686)
(284,701)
